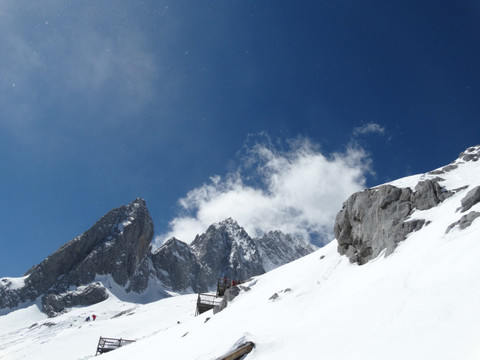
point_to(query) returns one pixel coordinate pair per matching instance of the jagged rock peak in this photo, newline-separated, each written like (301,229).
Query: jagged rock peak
(229,225)
(177,267)
(117,245)
(226,249)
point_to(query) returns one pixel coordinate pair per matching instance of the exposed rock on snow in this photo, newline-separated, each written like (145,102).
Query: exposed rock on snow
(53,304)
(465,221)
(472,198)
(377,219)
(471,154)
(374,220)
(429,193)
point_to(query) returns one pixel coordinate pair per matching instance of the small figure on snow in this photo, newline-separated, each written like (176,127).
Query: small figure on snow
(94,317)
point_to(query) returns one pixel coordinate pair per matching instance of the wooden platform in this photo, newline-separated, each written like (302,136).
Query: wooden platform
(109,344)
(206,302)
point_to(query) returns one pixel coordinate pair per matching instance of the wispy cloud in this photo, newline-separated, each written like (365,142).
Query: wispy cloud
(56,55)
(298,191)
(369,128)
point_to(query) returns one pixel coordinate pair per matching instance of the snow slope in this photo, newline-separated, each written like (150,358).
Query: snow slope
(421,302)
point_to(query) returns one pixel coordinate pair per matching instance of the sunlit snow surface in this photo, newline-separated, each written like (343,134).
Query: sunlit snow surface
(421,302)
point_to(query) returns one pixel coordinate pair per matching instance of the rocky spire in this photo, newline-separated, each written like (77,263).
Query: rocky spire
(226,249)
(118,245)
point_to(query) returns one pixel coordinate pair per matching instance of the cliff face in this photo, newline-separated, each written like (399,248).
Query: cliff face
(226,249)
(117,245)
(178,268)
(377,219)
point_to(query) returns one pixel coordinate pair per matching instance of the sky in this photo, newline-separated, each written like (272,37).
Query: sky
(270,112)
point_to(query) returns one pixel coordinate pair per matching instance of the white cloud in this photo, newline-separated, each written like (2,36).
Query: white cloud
(369,128)
(298,191)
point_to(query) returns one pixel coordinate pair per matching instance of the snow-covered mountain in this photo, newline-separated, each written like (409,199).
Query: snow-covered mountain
(117,246)
(224,250)
(416,299)
(115,254)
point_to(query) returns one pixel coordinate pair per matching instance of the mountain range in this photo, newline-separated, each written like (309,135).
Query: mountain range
(398,282)
(116,254)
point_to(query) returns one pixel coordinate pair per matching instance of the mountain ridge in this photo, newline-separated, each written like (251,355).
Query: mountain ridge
(118,246)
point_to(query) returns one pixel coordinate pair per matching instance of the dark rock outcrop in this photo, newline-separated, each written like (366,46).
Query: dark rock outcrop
(226,249)
(117,245)
(465,221)
(54,304)
(177,267)
(472,198)
(471,154)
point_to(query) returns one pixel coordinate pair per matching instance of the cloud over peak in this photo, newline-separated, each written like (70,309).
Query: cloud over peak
(298,191)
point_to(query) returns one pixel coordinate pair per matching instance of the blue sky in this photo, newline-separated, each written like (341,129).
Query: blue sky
(222,108)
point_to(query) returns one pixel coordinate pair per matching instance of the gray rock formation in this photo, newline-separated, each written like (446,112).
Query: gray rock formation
(472,198)
(226,249)
(117,245)
(177,267)
(465,221)
(471,154)
(372,221)
(54,304)
(376,220)
(428,194)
